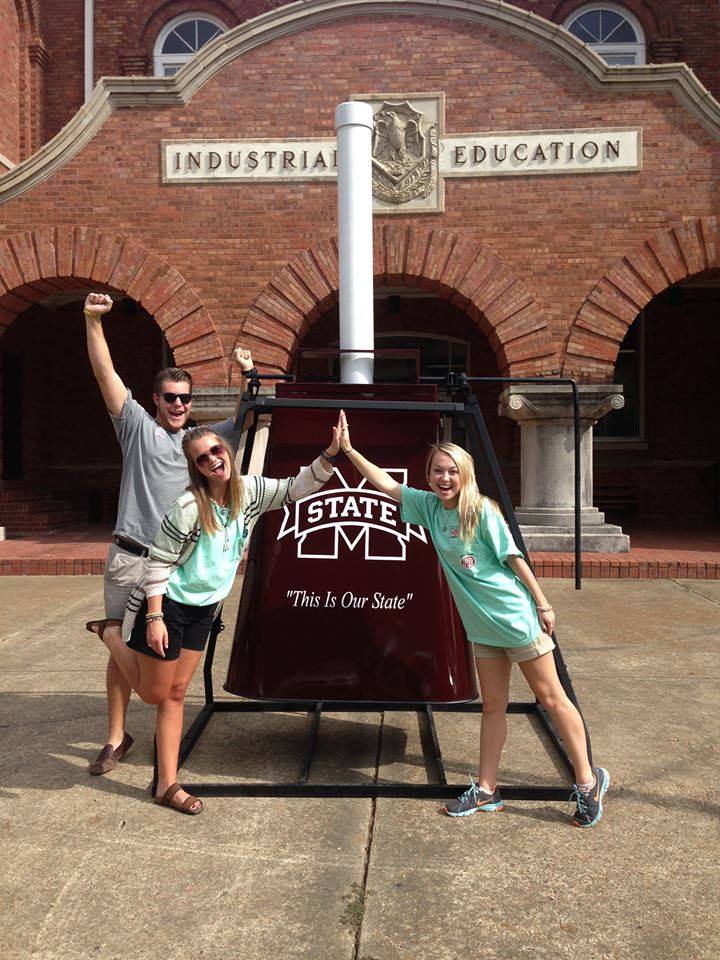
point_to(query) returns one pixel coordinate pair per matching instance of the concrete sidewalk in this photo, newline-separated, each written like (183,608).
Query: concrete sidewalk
(91,869)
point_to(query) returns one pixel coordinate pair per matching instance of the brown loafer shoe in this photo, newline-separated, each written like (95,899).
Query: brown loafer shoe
(109,756)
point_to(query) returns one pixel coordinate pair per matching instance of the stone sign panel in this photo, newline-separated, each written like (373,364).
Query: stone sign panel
(411,155)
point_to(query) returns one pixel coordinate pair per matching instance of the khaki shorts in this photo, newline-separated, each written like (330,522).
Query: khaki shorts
(529,651)
(122,572)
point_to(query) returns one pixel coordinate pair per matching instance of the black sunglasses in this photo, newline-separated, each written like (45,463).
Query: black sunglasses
(184,398)
(204,458)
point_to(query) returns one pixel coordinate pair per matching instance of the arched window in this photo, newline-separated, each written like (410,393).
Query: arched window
(610,31)
(181,38)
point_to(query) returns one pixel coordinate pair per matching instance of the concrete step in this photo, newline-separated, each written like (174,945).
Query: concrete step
(605,539)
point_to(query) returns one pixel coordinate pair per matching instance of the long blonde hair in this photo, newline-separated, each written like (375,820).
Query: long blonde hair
(470,502)
(200,488)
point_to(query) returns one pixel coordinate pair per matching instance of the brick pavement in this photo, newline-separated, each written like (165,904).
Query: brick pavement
(656,554)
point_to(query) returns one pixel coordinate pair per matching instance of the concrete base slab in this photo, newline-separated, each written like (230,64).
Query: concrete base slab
(597,538)
(90,868)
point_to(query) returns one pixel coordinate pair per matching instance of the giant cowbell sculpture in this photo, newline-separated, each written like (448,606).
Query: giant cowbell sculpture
(341,599)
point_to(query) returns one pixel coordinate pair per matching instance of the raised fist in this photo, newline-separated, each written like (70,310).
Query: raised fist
(243,358)
(97,304)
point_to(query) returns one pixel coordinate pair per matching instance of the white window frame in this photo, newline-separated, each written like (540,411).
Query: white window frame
(606,50)
(163,60)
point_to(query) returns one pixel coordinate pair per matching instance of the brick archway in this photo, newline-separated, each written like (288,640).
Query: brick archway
(47,260)
(602,321)
(449,264)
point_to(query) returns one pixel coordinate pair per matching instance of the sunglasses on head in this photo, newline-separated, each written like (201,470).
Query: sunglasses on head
(184,398)
(204,458)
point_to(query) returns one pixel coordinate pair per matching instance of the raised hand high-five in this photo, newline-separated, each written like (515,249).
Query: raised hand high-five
(345,444)
(376,475)
(336,441)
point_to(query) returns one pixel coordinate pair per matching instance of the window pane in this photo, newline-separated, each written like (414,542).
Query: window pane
(437,356)
(625,422)
(188,32)
(623,33)
(169,70)
(609,21)
(619,59)
(591,23)
(174,44)
(458,357)
(206,32)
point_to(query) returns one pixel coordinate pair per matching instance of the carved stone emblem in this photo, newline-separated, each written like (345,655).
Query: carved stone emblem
(404,152)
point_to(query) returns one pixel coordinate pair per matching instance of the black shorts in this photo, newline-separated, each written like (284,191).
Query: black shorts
(188,628)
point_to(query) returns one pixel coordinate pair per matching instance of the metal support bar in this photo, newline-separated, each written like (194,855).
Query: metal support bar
(194,731)
(271,403)
(428,733)
(312,740)
(558,742)
(414,791)
(216,628)
(482,439)
(431,744)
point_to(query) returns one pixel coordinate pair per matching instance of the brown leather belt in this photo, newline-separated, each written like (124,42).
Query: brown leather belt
(130,545)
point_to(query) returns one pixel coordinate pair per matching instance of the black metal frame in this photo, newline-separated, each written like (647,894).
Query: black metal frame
(467,407)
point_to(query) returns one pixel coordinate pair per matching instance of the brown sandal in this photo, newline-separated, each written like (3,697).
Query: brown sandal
(168,800)
(98,626)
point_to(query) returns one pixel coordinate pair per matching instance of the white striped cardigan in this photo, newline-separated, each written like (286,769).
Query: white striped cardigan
(180,528)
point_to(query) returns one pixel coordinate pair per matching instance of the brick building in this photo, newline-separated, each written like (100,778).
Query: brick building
(546,196)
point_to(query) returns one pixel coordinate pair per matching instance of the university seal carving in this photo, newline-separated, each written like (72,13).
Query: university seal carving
(404,153)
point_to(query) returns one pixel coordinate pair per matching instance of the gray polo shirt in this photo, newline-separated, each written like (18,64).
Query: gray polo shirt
(154,470)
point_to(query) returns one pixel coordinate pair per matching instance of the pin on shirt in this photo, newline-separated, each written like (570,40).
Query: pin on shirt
(468,561)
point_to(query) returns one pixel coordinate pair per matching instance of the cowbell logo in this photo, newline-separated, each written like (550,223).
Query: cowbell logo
(342,517)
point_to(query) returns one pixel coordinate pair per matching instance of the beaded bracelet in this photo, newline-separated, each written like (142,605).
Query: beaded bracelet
(326,456)
(153,616)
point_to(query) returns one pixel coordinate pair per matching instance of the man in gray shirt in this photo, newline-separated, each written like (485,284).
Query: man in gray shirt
(154,474)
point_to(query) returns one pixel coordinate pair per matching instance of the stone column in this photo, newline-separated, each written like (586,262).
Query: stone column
(547,465)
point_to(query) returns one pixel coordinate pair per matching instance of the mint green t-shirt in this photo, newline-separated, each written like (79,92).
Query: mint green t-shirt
(208,574)
(495,607)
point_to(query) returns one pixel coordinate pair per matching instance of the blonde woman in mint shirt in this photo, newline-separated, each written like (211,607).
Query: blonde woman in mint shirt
(503,609)
(190,569)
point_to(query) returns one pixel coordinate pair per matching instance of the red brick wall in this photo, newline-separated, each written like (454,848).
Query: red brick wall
(558,234)
(122,29)
(63,32)
(9,83)
(699,29)
(130,28)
